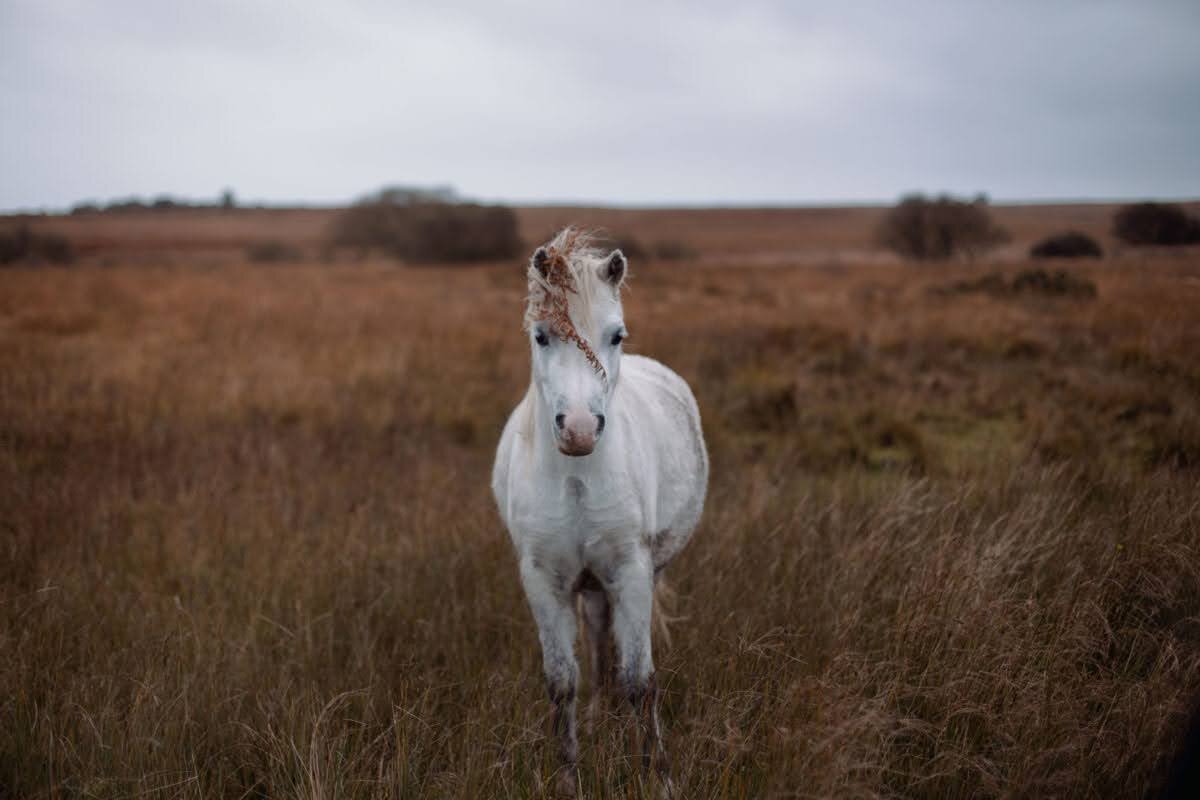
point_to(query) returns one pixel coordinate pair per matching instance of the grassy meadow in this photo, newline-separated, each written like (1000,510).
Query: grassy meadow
(951,547)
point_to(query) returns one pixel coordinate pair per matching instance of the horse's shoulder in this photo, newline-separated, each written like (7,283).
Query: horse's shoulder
(656,383)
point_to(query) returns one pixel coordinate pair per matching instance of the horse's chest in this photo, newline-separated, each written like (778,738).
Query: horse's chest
(580,520)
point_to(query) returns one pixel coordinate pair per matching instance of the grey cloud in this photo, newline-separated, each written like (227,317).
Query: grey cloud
(632,103)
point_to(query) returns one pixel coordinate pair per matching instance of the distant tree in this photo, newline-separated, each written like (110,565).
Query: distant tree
(1071,244)
(132,203)
(1155,224)
(412,195)
(936,229)
(228,201)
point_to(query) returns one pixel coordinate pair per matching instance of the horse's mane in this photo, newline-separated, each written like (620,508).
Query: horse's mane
(571,271)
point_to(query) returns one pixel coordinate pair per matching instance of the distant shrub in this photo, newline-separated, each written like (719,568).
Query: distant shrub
(991,283)
(1059,283)
(126,205)
(163,202)
(272,251)
(1155,224)
(14,244)
(423,230)
(936,229)
(1071,244)
(411,195)
(23,245)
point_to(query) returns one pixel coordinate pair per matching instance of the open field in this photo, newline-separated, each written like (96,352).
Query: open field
(952,545)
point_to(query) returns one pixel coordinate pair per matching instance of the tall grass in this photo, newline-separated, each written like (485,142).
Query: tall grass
(950,548)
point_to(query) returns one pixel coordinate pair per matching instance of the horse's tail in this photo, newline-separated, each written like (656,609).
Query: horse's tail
(663,612)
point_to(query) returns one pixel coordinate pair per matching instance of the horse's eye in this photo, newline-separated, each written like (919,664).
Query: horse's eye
(541,338)
(618,337)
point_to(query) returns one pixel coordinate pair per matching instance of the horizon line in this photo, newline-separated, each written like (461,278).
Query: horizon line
(297,205)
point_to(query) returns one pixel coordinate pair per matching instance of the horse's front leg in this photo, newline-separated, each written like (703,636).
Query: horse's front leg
(554,613)
(631,589)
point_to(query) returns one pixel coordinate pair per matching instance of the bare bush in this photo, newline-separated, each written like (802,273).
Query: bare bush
(23,245)
(417,229)
(1155,224)
(936,229)
(227,201)
(1071,244)
(1059,283)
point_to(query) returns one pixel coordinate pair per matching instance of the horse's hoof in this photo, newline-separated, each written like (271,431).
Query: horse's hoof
(566,784)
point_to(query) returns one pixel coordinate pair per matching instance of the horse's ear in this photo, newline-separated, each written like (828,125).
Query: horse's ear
(613,270)
(540,261)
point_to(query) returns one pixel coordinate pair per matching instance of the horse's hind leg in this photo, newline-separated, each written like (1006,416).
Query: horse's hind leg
(597,621)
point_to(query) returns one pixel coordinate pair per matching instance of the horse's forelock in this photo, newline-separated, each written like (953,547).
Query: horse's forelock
(569,272)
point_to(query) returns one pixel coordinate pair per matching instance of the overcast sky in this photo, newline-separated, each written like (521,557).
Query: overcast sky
(638,103)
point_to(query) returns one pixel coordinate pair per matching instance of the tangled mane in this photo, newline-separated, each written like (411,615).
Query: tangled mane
(571,267)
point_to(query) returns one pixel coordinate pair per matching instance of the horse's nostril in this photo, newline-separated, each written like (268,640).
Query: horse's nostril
(559,420)
(599,424)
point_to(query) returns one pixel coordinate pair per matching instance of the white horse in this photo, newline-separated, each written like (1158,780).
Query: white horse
(600,478)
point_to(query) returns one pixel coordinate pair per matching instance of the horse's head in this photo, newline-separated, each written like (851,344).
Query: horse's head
(576,327)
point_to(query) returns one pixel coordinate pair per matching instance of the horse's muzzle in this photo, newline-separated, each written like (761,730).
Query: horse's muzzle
(578,432)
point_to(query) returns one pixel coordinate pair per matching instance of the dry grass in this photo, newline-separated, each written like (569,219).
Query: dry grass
(950,549)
